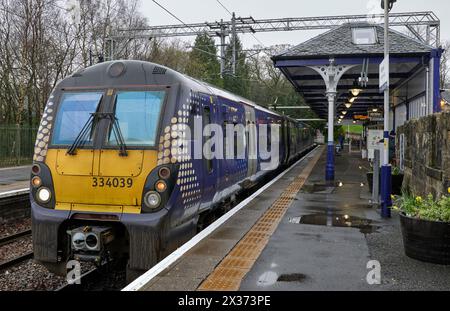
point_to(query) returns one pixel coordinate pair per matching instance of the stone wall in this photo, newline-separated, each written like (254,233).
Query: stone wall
(427,154)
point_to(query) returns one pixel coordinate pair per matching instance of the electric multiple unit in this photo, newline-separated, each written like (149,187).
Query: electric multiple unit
(121,172)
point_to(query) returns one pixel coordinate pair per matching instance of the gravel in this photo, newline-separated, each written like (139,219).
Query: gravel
(16,248)
(15,226)
(399,272)
(29,276)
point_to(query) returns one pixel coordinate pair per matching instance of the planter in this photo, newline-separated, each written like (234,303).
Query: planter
(427,241)
(397,183)
(370,181)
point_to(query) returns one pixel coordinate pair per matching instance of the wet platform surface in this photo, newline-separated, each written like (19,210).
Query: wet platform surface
(14,178)
(329,235)
(324,241)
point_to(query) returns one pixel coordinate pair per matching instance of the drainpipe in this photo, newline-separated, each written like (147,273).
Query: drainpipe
(429,108)
(436,65)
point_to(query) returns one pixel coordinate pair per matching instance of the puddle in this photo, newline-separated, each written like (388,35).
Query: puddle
(366,226)
(317,188)
(294,277)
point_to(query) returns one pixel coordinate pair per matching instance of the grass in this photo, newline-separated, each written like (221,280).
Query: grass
(354,129)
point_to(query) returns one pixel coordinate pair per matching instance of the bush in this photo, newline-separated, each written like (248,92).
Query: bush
(427,208)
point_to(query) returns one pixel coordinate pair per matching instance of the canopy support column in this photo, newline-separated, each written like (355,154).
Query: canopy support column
(331,74)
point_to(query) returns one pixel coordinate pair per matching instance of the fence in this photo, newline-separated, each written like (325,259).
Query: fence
(16,145)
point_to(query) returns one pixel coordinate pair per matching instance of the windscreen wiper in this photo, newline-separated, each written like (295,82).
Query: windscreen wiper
(82,136)
(92,122)
(118,134)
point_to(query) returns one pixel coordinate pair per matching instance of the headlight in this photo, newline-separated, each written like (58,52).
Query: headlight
(152,200)
(44,195)
(36,182)
(161,186)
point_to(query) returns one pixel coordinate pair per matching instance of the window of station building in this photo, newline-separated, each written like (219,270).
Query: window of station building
(365,35)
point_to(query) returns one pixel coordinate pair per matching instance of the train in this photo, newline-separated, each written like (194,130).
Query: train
(116,174)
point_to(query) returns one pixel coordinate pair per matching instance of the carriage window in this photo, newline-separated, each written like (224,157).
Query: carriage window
(138,115)
(74,112)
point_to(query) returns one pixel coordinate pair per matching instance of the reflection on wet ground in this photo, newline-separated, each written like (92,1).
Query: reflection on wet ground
(293,277)
(366,226)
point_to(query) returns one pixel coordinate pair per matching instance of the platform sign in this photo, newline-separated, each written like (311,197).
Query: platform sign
(384,74)
(376,116)
(374,141)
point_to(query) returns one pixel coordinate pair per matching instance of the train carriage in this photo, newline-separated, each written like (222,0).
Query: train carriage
(118,172)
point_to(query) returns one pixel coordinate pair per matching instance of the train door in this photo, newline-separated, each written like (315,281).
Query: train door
(210,165)
(285,141)
(252,143)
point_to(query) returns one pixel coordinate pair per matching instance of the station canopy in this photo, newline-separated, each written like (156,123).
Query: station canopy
(351,44)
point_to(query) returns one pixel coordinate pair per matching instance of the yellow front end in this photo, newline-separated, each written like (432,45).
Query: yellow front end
(100,181)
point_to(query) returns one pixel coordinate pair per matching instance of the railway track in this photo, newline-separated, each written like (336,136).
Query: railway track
(18,259)
(14,205)
(14,237)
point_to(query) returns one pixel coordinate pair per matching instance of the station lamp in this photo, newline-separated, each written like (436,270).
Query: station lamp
(348,105)
(352,99)
(390,4)
(375,109)
(356,89)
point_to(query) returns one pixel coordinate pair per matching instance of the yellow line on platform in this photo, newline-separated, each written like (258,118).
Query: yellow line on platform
(229,274)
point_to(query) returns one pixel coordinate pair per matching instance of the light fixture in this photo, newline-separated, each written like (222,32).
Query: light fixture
(375,109)
(352,99)
(356,89)
(36,182)
(152,200)
(354,122)
(344,112)
(44,195)
(443,103)
(161,186)
(348,105)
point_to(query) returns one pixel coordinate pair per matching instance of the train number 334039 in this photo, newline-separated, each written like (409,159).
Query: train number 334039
(111,182)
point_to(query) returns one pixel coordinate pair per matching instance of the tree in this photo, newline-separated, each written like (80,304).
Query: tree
(239,82)
(203,63)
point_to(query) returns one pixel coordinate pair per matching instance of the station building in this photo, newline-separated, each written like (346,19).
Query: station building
(337,73)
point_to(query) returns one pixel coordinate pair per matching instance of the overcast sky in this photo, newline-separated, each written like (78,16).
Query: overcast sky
(193,11)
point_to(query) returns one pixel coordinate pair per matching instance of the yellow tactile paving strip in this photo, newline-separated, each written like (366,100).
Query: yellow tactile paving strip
(229,274)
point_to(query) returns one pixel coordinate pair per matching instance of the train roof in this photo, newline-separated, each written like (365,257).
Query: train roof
(134,72)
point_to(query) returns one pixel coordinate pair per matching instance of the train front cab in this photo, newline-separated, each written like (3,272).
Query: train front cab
(96,199)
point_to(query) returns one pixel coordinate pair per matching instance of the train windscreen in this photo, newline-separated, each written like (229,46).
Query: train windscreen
(138,115)
(74,112)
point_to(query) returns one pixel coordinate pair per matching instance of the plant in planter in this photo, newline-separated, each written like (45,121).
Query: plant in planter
(425,226)
(397,181)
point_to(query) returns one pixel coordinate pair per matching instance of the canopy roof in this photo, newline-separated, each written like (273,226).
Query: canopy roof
(408,56)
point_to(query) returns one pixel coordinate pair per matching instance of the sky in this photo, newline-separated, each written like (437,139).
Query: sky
(194,11)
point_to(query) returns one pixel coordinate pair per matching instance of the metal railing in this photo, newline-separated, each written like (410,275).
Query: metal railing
(16,145)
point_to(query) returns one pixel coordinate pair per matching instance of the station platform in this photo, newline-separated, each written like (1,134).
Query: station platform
(14,179)
(300,235)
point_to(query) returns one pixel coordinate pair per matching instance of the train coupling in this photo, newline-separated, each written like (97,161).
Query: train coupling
(90,243)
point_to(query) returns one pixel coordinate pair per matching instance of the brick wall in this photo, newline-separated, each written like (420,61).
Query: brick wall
(427,154)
